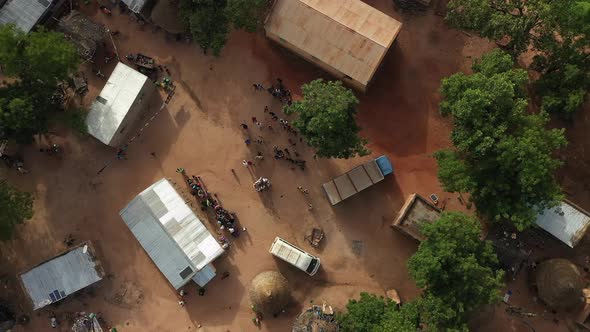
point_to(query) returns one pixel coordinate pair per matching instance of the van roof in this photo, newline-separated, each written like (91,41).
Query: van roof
(291,253)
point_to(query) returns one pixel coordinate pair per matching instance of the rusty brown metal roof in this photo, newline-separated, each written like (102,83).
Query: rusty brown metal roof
(347,35)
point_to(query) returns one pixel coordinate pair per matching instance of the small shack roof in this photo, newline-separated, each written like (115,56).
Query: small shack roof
(170,233)
(83,32)
(135,6)
(62,275)
(23,13)
(113,103)
(416,210)
(314,320)
(347,35)
(567,222)
(165,15)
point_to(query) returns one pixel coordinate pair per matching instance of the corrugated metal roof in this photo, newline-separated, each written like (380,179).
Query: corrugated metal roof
(566,222)
(170,233)
(61,276)
(347,35)
(23,13)
(111,106)
(135,5)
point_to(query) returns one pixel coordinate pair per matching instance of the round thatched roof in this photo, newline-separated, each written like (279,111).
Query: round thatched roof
(559,283)
(270,292)
(313,321)
(165,15)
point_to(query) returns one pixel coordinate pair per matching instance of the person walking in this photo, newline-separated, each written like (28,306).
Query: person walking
(244,126)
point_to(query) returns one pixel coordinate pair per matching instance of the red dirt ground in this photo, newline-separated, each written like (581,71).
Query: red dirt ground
(199,130)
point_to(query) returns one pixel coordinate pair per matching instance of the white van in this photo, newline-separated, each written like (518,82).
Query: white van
(295,255)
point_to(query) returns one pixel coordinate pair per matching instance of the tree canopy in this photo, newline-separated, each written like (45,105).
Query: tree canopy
(371,313)
(503,156)
(456,270)
(37,56)
(210,21)
(559,32)
(16,207)
(326,118)
(38,61)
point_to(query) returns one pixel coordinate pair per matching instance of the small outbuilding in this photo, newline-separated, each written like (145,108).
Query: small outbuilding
(415,211)
(119,104)
(346,38)
(270,293)
(567,222)
(172,235)
(61,276)
(25,14)
(139,7)
(84,33)
(559,284)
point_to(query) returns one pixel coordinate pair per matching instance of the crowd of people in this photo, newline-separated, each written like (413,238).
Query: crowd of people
(277,90)
(225,220)
(289,153)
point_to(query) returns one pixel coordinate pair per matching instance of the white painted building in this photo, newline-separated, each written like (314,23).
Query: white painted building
(125,95)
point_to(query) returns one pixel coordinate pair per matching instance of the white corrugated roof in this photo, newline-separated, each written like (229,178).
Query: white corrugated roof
(170,233)
(61,276)
(566,222)
(23,13)
(111,106)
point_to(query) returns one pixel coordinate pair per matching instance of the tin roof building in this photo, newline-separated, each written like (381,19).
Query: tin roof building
(347,38)
(567,222)
(23,13)
(118,105)
(171,234)
(61,276)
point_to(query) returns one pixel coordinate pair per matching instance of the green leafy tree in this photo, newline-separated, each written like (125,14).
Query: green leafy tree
(38,56)
(38,60)
(558,30)
(326,118)
(371,313)
(406,319)
(18,118)
(207,22)
(503,156)
(246,14)
(456,270)
(210,21)
(16,207)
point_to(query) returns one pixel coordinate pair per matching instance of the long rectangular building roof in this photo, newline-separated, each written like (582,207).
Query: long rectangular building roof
(113,103)
(23,13)
(170,233)
(567,222)
(62,275)
(347,35)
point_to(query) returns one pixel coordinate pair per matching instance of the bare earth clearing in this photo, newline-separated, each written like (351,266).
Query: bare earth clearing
(200,131)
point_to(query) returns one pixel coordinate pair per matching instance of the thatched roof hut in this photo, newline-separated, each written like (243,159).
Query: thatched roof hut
(165,15)
(270,292)
(84,33)
(559,283)
(315,320)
